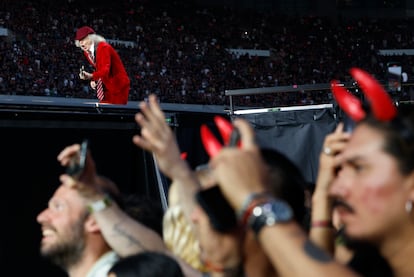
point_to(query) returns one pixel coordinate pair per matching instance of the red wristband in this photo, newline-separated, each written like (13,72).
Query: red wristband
(249,209)
(322,223)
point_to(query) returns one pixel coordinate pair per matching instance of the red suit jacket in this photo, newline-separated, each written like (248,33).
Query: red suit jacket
(110,69)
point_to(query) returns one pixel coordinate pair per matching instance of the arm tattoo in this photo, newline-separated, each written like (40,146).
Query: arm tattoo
(119,232)
(316,253)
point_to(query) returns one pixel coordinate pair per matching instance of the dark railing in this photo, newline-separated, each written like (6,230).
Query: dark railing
(403,95)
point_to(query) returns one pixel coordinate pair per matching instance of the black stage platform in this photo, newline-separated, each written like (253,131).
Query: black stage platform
(28,111)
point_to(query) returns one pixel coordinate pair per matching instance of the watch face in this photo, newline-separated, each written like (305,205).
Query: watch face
(269,214)
(279,210)
(285,211)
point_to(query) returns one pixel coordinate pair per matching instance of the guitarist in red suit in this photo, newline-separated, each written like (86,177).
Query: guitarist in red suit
(110,79)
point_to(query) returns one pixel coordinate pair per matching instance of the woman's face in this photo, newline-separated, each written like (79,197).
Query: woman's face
(371,190)
(217,248)
(220,249)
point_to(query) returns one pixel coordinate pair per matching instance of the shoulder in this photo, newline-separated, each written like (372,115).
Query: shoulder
(102,266)
(104,45)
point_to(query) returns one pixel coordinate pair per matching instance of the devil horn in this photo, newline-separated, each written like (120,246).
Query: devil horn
(348,102)
(225,128)
(210,143)
(381,103)
(183,155)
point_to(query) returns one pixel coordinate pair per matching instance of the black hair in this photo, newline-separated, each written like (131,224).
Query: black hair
(286,181)
(147,264)
(399,138)
(145,210)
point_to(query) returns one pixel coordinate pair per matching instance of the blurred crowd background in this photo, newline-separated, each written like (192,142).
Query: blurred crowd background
(180,49)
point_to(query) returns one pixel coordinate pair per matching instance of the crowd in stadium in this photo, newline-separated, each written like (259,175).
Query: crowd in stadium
(180,54)
(247,209)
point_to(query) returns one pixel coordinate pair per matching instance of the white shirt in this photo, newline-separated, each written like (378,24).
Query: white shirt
(102,266)
(92,51)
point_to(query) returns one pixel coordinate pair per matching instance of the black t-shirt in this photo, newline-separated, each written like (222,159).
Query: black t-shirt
(368,262)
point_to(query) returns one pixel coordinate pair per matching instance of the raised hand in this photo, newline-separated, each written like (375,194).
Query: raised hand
(240,171)
(86,182)
(157,137)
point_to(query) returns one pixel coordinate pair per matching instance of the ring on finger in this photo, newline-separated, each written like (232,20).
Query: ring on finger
(327,150)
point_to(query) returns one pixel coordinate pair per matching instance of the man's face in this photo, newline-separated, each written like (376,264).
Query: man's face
(62,224)
(85,43)
(370,187)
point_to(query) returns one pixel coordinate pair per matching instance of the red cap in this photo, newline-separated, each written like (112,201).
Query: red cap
(82,32)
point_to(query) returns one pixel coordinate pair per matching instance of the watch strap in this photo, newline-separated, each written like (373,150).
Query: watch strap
(100,204)
(268,214)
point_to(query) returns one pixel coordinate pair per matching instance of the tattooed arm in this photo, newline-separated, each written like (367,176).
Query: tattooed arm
(127,236)
(124,234)
(293,254)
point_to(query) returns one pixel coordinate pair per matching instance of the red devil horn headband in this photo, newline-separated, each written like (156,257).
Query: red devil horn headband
(225,128)
(381,103)
(211,144)
(348,102)
(183,155)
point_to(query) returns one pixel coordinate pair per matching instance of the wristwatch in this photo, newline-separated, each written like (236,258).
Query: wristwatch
(268,214)
(100,204)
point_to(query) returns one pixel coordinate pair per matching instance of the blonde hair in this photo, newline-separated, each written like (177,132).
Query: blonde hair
(93,37)
(178,233)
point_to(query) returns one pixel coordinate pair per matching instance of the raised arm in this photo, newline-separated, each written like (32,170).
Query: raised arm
(240,175)
(158,138)
(123,233)
(322,231)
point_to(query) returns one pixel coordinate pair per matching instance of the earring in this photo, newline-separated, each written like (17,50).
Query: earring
(409,206)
